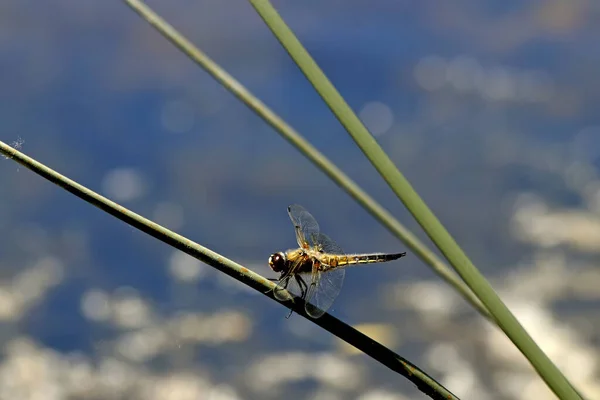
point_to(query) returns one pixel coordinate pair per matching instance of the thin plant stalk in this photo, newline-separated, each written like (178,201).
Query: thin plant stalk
(413,202)
(309,151)
(377,351)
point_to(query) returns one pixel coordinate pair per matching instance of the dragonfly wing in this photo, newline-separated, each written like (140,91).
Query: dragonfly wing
(307,228)
(281,290)
(325,283)
(324,288)
(326,245)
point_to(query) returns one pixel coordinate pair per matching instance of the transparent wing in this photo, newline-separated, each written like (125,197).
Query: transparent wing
(325,244)
(307,228)
(324,288)
(280,292)
(325,283)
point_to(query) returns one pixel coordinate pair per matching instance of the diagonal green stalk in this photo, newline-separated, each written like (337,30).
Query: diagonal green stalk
(377,351)
(309,151)
(413,202)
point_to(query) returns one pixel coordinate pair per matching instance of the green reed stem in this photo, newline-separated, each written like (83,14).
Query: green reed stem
(377,351)
(310,152)
(413,202)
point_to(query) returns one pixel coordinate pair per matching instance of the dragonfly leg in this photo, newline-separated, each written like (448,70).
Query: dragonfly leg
(272,280)
(291,310)
(303,286)
(303,289)
(281,278)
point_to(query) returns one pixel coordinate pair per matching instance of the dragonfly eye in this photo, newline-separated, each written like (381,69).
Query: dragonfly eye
(277,262)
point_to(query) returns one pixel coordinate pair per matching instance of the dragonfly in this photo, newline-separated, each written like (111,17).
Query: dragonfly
(315,271)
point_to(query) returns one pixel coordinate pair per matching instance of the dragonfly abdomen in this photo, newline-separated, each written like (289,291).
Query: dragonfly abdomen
(355,259)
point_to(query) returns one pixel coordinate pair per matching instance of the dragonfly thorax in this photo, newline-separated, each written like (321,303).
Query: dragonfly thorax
(278,261)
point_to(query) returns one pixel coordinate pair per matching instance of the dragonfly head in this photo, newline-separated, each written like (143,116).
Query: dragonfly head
(278,261)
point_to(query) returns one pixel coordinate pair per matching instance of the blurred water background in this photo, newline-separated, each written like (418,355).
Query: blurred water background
(488,107)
